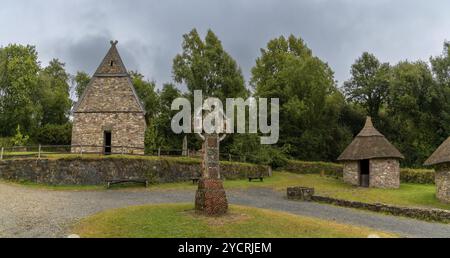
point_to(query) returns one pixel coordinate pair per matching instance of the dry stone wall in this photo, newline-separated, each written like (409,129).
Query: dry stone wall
(89,171)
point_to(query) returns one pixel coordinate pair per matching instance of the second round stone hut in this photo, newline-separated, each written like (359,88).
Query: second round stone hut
(440,159)
(371,160)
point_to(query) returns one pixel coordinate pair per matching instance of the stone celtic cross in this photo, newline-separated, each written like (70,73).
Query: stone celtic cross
(211,199)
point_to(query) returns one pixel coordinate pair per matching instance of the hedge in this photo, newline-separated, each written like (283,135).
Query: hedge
(417,176)
(311,167)
(407,175)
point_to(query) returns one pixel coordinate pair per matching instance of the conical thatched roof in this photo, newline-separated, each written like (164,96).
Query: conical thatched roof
(370,144)
(440,155)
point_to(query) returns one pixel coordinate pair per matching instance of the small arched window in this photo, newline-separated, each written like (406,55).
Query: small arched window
(112,63)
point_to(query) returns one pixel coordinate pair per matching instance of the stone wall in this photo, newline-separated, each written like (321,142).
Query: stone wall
(90,171)
(351,172)
(443,182)
(384,173)
(438,215)
(127,129)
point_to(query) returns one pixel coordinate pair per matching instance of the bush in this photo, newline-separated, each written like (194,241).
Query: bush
(20,139)
(5,142)
(309,167)
(54,134)
(417,176)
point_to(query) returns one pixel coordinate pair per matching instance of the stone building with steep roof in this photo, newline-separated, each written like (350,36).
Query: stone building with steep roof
(371,160)
(109,117)
(440,159)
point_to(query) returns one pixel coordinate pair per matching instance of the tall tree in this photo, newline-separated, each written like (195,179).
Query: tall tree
(205,65)
(441,71)
(412,104)
(19,69)
(369,83)
(54,93)
(310,103)
(159,132)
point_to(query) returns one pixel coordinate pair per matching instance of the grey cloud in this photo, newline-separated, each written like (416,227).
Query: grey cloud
(150,32)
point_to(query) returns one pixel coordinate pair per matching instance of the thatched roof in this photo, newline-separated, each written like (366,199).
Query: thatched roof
(440,155)
(370,144)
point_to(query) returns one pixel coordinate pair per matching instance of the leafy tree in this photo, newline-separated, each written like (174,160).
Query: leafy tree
(18,87)
(81,81)
(205,65)
(441,71)
(146,93)
(410,122)
(54,95)
(310,103)
(159,132)
(369,83)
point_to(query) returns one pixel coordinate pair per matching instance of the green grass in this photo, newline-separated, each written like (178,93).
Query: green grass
(412,195)
(179,221)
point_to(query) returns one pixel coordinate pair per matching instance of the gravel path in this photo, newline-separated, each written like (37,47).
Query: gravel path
(26,212)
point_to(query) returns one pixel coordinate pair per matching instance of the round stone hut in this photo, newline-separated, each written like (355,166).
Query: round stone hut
(371,160)
(440,159)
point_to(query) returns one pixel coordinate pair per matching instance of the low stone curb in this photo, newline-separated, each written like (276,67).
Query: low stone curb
(437,215)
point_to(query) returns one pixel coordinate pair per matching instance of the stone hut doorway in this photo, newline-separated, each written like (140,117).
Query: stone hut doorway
(107,142)
(364,173)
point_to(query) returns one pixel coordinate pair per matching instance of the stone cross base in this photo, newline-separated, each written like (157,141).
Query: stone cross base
(211,199)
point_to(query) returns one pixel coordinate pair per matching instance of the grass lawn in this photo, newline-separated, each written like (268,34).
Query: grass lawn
(414,195)
(180,221)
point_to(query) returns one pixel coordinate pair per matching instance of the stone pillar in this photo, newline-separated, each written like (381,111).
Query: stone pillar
(185,147)
(211,199)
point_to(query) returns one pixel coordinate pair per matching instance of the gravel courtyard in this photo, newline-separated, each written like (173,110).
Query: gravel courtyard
(28,212)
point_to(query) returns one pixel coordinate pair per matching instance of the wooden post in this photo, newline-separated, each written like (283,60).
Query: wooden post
(122,151)
(159,152)
(39,153)
(229,157)
(81,150)
(1,154)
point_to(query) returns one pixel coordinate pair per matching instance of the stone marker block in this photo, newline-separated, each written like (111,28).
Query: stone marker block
(300,193)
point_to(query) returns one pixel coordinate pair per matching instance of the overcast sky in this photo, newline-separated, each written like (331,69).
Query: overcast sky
(150,32)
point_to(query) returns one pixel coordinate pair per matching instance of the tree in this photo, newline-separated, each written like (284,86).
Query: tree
(146,93)
(81,81)
(441,70)
(369,83)
(206,66)
(159,130)
(19,69)
(412,104)
(54,94)
(310,103)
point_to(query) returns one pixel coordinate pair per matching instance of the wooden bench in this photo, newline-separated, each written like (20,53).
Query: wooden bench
(121,181)
(260,178)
